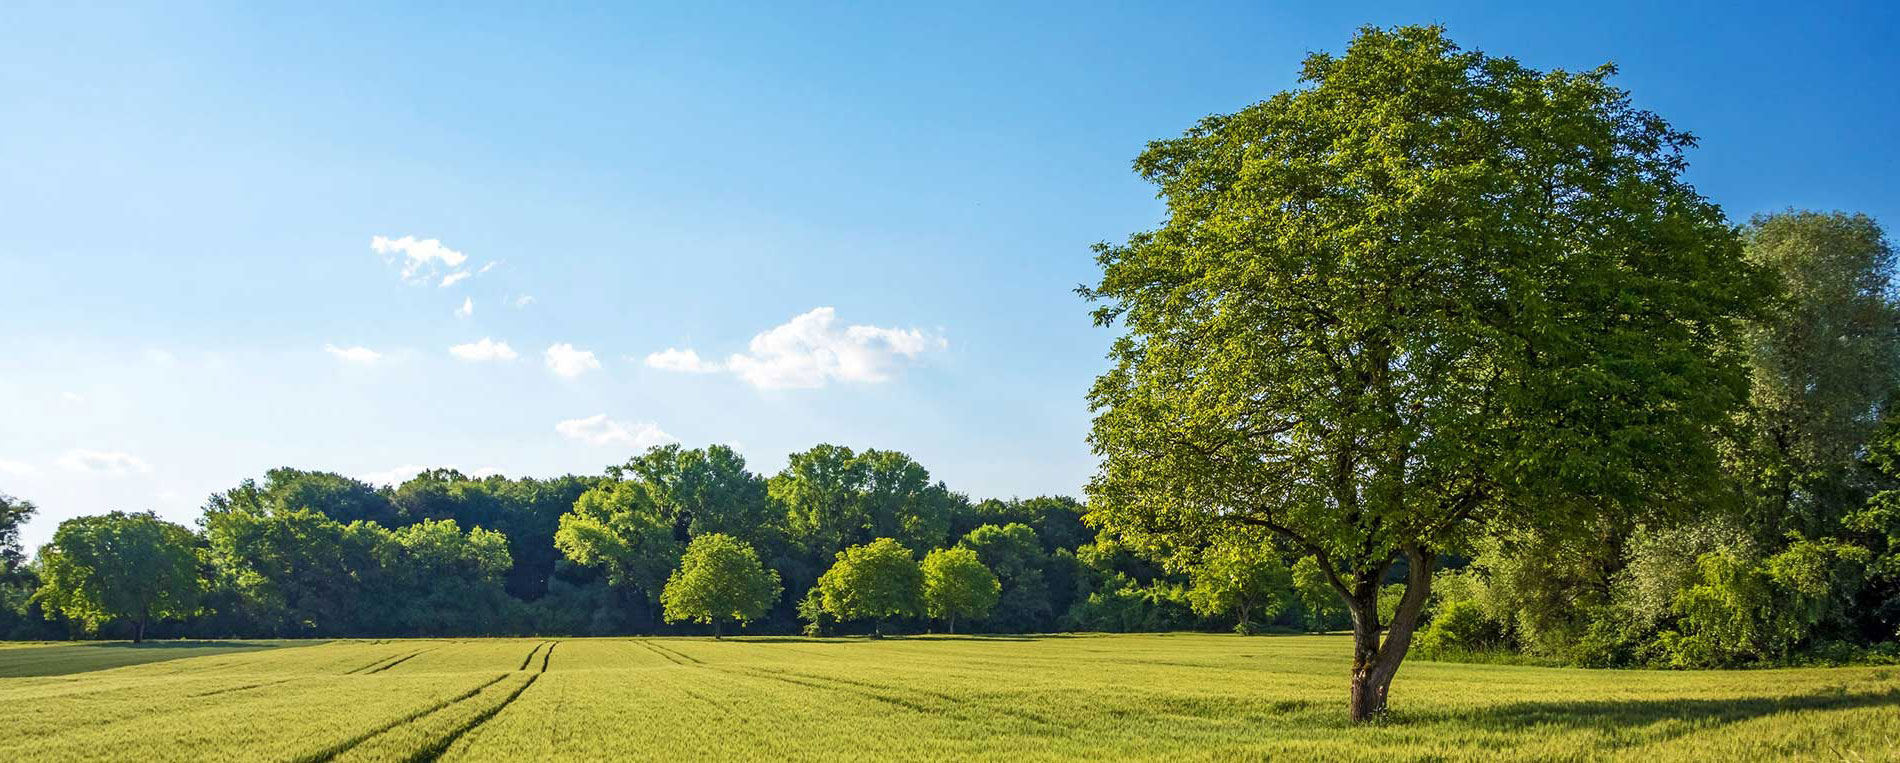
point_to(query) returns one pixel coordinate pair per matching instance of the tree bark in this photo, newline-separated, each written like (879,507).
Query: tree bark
(716,636)
(1375,662)
(951,622)
(138,635)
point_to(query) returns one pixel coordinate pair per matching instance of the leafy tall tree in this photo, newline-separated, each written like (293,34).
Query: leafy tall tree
(617,527)
(957,585)
(1825,361)
(719,579)
(14,513)
(1241,575)
(299,572)
(1428,292)
(875,581)
(1015,554)
(834,497)
(118,565)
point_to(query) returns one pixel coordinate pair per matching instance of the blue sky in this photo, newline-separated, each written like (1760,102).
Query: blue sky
(895,203)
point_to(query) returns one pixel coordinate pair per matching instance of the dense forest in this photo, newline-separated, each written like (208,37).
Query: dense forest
(1669,442)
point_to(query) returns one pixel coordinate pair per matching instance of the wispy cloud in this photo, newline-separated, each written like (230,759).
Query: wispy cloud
(358,355)
(484,350)
(812,350)
(419,258)
(683,361)
(467,309)
(523,301)
(568,361)
(455,277)
(600,430)
(105,463)
(492,264)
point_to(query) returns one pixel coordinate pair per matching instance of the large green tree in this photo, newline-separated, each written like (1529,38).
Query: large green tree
(875,581)
(719,579)
(1826,359)
(957,585)
(1241,575)
(1429,291)
(617,527)
(118,565)
(833,497)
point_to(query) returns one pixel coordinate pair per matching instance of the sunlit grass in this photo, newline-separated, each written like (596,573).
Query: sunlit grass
(1156,697)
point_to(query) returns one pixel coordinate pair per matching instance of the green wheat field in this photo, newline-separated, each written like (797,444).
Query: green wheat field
(1080,697)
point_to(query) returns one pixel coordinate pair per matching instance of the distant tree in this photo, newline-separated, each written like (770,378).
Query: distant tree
(451,581)
(333,495)
(874,581)
(1015,554)
(617,527)
(14,514)
(956,584)
(833,497)
(1243,577)
(705,490)
(1428,293)
(719,579)
(1825,361)
(119,565)
(299,572)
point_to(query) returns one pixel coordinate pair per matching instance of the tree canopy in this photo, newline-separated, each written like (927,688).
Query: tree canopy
(719,580)
(877,580)
(117,565)
(957,585)
(1428,292)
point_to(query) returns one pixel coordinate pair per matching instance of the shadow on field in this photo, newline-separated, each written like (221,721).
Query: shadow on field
(1689,714)
(860,639)
(83,658)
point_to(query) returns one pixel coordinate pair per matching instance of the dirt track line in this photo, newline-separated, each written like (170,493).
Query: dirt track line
(245,687)
(656,650)
(530,657)
(680,654)
(434,751)
(330,753)
(401,661)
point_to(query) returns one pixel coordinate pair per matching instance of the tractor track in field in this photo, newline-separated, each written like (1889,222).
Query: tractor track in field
(379,661)
(411,656)
(246,687)
(675,652)
(435,749)
(874,690)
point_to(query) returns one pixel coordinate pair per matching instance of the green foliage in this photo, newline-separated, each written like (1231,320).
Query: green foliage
(1322,608)
(875,581)
(1015,554)
(834,497)
(719,580)
(1243,577)
(118,565)
(1430,292)
(617,527)
(1458,628)
(957,585)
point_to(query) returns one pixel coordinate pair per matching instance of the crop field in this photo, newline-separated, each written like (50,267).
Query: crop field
(1147,697)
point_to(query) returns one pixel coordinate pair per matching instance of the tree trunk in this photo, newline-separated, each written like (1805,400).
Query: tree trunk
(716,636)
(1375,662)
(951,622)
(138,635)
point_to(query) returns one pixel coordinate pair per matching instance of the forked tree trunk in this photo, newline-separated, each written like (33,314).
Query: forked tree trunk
(1374,662)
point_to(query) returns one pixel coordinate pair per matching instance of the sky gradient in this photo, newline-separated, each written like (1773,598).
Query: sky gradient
(369,241)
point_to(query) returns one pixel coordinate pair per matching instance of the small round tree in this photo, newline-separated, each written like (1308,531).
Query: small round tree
(956,584)
(719,579)
(1239,577)
(874,581)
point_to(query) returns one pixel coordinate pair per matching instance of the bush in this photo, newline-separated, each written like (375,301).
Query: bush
(1460,627)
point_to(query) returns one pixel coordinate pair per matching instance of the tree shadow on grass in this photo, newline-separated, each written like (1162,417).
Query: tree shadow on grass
(861,638)
(1649,721)
(67,659)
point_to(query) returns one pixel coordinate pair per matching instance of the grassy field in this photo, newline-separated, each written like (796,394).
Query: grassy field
(1150,697)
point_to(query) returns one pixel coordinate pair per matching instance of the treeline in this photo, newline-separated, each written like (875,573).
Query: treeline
(842,541)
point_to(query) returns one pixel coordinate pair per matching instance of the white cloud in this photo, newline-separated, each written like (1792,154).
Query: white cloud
(490,266)
(363,355)
(524,301)
(467,309)
(486,349)
(393,477)
(104,462)
(452,278)
(600,430)
(811,350)
(684,361)
(72,397)
(419,257)
(17,468)
(566,360)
